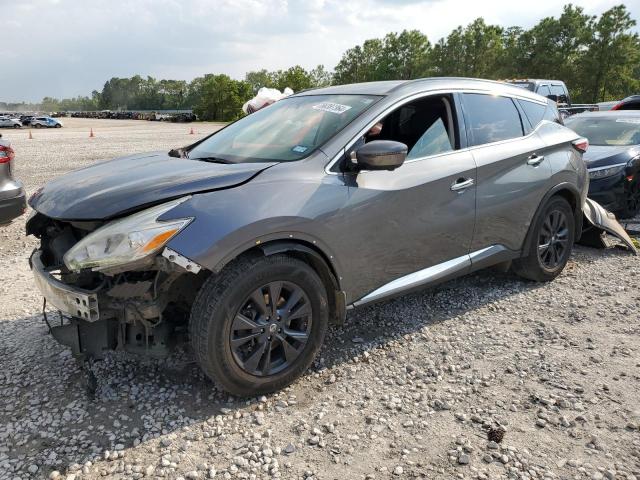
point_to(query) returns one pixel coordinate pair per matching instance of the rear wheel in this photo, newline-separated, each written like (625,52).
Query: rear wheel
(58,125)
(37,125)
(258,325)
(631,199)
(16,126)
(551,244)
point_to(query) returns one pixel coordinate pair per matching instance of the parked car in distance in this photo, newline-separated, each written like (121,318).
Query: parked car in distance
(555,90)
(48,122)
(250,241)
(26,120)
(10,122)
(613,158)
(12,194)
(630,103)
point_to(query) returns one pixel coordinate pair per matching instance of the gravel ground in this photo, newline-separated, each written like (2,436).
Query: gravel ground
(411,388)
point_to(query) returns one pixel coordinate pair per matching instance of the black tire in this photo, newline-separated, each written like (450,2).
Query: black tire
(551,243)
(219,307)
(17,126)
(631,199)
(58,125)
(37,125)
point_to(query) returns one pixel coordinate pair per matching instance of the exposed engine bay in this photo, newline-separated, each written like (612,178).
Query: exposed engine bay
(144,308)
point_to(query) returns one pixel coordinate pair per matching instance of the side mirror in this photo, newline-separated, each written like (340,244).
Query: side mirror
(380,155)
(553,97)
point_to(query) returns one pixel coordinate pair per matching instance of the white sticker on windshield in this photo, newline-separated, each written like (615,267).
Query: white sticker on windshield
(332,107)
(628,120)
(299,149)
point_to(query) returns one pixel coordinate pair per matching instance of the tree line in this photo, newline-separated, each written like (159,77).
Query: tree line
(598,57)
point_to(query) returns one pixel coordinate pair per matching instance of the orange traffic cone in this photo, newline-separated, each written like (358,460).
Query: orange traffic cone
(91,135)
(30,136)
(191,132)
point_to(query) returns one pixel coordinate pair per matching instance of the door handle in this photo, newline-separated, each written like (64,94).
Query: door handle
(535,160)
(461,184)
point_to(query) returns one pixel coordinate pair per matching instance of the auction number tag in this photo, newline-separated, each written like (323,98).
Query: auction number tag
(332,107)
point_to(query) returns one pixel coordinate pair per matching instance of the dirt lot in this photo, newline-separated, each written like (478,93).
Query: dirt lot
(406,389)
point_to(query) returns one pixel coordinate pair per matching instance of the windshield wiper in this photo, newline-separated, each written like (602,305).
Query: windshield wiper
(212,160)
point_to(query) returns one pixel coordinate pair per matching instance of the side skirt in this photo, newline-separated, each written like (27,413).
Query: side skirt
(439,273)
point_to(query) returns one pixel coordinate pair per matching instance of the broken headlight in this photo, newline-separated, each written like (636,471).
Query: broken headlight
(126,240)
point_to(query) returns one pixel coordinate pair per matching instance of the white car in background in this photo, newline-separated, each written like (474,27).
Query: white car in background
(10,122)
(48,122)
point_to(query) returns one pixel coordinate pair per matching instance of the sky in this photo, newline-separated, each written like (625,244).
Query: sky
(64,48)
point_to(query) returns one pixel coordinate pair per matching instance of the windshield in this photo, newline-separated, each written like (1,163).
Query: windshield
(607,131)
(288,130)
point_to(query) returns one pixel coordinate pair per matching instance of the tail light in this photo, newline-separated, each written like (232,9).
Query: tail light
(6,154)
(617,106)
(581,144)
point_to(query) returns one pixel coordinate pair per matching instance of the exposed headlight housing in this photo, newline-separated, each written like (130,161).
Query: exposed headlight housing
(603,172)
(126,240)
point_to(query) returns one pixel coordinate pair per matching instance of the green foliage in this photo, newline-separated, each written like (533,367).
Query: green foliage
(598,58)
(219,97)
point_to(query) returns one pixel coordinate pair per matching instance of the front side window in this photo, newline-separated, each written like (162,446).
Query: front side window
(491,118)
(544,91)
(425,126)
(288,130)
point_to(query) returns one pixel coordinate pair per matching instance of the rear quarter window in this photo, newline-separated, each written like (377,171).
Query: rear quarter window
(534,111)
(491,118)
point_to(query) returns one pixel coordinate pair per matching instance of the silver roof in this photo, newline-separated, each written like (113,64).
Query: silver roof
(408,87)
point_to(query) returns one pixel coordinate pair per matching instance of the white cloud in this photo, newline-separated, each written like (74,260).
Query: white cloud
(65,47)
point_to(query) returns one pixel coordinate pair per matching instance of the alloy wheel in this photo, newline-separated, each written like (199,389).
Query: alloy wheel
(553,242)
(633,197)
(271,328)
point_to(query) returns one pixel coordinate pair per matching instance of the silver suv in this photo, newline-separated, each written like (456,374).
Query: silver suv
(250,241)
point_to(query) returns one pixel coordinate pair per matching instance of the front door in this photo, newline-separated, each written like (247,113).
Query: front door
(420,215)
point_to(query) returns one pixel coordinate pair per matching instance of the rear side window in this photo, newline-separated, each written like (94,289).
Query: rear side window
(491,118)
(544,91)
(534,111)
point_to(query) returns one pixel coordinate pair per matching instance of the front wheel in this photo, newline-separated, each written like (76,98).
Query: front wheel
(258,325)
(58,125)
(16,126)
(631,199)
(552,240)
(37,125)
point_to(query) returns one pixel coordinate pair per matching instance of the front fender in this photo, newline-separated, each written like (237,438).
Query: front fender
(229,222)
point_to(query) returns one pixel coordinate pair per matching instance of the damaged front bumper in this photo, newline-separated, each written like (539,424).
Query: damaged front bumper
(130,316)
(600,223)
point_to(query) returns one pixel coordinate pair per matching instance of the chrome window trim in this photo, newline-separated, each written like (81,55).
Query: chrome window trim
(426,275)
(415,96)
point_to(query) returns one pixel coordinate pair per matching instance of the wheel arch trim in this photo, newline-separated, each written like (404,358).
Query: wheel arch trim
(574,201)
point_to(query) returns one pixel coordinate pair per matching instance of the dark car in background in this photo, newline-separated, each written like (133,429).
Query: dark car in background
(555,90)
(613,158)
(12,194)
(26,120)
(251,240)
(630,103)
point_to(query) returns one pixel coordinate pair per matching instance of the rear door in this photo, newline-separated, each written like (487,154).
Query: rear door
(512,173)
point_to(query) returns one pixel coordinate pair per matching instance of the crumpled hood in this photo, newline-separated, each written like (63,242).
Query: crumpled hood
(126,184)
(603,155)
